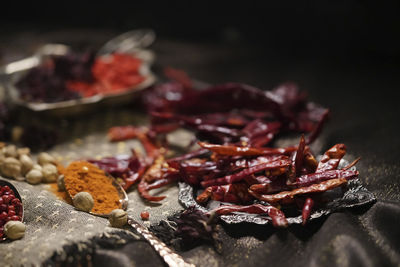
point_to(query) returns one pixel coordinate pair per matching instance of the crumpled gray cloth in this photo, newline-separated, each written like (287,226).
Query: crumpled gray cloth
(51,223)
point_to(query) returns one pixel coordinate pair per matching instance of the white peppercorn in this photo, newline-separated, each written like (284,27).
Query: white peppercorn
(23,151)
(14,229)
(45,158)
(83,201)
(26,164)
(50,173)
(37,167)
(118,218)
(34,176)
(11,151)
(11,167)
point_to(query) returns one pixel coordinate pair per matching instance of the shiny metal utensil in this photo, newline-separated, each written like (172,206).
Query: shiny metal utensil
(128,42)
(170,257)
(17,195)
(35,59)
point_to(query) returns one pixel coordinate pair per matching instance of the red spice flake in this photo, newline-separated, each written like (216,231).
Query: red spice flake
(10,207)
(144,215)
(113,74)
(83,88)
(118,72)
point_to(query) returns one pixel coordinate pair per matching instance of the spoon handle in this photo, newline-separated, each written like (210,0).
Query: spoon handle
(170,257)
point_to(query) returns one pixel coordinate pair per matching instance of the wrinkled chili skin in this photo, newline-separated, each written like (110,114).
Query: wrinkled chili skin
(231,150)
(196,153)
(351,164)
(237,177)
(298,162)
(331,158)
(269,187)
(120,133)
(232,193)
(217,98)
(144,193)
(287,197)
(313,178)
(307,208)
(310,163)
(128,168)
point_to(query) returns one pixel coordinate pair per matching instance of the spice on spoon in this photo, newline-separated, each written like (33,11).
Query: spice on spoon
(82,176)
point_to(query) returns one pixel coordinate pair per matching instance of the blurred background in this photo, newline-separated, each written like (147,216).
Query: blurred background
(337,50)
(300,29)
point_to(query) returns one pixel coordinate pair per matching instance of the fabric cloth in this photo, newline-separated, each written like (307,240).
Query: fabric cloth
(52,224)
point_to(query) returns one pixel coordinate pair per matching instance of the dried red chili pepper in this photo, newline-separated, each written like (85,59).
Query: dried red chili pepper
(306,212)
(162,182)
(231,150)
(287,197)
(269,187)
(154,172)
(299,158)
(260,179)
(237,177)
(179,76)
(128,132)
(313,178)
(259,133)
(144,192)
(154,178)
(232,193)
(196,153)
(122,133)
(128,168)
(330,160)
(310,163)
(351,164)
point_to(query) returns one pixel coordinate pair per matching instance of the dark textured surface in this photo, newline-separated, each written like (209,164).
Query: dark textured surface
(363,96)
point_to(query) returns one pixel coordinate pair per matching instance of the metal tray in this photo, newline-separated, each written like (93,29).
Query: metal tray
(80,105)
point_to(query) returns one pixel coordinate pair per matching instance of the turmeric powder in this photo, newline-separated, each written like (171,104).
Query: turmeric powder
(82,176)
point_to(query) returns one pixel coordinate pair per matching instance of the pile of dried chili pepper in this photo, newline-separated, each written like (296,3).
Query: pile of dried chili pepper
(279,177)
(230,113)
(235,125)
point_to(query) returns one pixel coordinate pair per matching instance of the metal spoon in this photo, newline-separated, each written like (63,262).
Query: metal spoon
(128,42)
(170,257)
(17,195)
(124,43)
